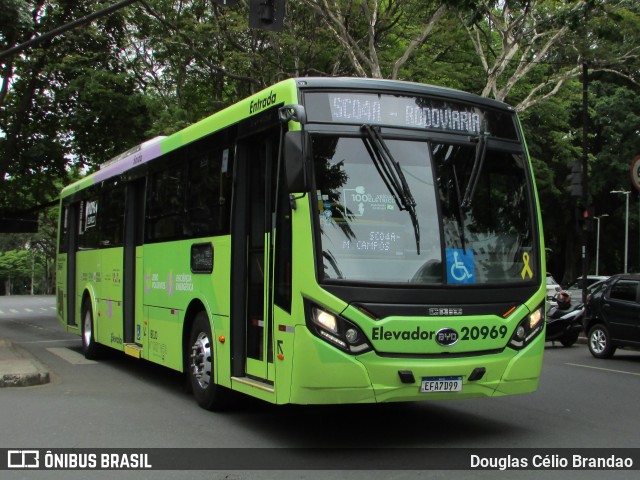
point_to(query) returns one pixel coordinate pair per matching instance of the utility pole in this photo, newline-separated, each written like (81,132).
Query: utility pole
(585,183)
(598,241)
(626,229)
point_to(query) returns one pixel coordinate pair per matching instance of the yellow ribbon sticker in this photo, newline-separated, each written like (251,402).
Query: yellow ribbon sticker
(527,269)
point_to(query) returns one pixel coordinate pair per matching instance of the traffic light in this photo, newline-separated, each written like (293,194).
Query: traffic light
(266,14)
(588,214)
(574,180)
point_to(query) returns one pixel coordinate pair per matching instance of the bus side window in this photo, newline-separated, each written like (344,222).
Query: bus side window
(111,220)
(208,195)
(165,204)
(88,224)
(63,243)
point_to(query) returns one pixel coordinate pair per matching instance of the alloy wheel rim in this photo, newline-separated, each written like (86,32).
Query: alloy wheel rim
(201,360)
(598,341)
(87,328)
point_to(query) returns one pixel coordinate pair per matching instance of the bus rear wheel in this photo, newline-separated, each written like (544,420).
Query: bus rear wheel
(90,348)
(200,366)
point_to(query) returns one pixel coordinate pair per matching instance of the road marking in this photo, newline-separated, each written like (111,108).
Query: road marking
(52,341)
(26,310)
(70,356)
(604,369)
(38,327)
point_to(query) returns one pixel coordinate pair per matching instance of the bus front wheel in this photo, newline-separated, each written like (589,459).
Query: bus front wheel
(200,364)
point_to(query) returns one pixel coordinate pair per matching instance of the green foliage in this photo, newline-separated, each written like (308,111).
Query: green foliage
(27,261)
(71,101)
(14,22)
(157,66)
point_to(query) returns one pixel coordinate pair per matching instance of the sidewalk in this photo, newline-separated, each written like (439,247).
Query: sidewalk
(18,368)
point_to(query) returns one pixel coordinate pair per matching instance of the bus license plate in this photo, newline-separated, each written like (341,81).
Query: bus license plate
(441,384)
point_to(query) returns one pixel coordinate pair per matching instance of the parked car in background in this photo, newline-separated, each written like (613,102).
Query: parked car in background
(553,287)
(612,317)
(575,288)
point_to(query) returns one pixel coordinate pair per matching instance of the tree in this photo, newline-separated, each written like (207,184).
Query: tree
(14,265)
(615,142)
(513,40)
(160,65)
(27,261)
(366,28)
(69,101)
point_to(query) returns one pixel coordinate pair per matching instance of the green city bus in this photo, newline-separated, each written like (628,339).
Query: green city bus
(326,240)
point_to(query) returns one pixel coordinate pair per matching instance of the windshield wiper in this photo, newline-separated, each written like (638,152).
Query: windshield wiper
(460,212)
(481,151)
(332,261)
(392,176)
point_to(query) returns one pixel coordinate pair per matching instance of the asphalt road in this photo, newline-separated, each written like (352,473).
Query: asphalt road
(120,402)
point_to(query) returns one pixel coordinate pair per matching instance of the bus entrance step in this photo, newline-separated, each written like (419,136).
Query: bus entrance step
(267,387)
(133,349)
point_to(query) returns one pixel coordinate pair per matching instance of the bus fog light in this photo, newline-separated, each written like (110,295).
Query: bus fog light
(351,335)
(520,332)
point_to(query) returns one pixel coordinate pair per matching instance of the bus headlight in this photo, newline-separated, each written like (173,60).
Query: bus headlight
(528,329)
(325,320)
(337,331)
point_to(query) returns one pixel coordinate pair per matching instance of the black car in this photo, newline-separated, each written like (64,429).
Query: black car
(612,316)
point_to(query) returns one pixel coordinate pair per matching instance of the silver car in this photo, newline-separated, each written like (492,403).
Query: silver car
(575,289)
(553,287)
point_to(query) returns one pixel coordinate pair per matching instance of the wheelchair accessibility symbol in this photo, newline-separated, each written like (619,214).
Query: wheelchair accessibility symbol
(460,266)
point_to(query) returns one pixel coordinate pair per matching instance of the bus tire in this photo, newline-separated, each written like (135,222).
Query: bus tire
(200,366)
(90,348)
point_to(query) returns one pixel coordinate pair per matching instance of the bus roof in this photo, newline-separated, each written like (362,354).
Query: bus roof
(284,91)
(397,86)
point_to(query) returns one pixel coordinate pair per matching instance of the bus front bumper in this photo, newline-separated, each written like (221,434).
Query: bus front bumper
(328,376)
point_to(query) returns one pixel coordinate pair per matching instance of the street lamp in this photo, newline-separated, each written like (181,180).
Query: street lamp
(626,227)
(598,239)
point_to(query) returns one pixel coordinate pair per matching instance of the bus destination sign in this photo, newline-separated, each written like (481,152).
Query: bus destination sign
(404,111)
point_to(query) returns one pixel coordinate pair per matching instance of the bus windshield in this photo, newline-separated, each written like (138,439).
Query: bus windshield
(366,235)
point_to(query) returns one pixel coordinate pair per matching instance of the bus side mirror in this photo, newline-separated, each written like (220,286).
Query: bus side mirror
(295,162)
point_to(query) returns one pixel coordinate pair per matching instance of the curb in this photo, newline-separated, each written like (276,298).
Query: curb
(18,368)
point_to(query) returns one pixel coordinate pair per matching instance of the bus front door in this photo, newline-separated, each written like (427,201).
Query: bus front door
(252,256)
